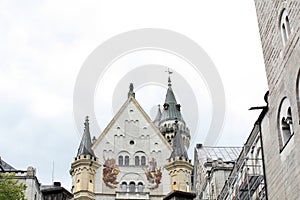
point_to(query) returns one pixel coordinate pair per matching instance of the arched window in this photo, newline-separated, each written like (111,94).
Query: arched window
(140,187)
(285,123)
(120,160)
(124,187)
(137,161)
(284,26)
(127,160)
(143,161)
(131,187)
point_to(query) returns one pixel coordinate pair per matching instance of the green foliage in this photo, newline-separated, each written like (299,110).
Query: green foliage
(10,188)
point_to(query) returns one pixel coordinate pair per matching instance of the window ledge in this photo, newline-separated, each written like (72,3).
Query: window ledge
(286,143)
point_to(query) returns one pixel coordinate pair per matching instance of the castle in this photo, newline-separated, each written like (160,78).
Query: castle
(135,157)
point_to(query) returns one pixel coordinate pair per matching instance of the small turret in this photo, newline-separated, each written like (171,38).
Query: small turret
(83,168)
(158,116)
(171,112)
(179,166)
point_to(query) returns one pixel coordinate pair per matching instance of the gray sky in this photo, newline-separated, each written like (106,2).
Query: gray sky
(43,46)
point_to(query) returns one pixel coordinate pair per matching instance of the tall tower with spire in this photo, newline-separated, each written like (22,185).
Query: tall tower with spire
(179,166)
(83,168)
(170,113)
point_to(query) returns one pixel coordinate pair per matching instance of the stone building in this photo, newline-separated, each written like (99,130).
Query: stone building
(28,177)
(212,166)
(278,22)
(129,160)
(247,178)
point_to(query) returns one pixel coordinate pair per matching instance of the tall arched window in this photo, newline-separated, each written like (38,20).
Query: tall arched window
(127,160)
(137,161)
(131,187)
(143,160)
(284,25)
(124,187)
(285,122)
(140,187)
(120,160)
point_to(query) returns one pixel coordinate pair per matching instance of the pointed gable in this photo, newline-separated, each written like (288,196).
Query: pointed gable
(131,111)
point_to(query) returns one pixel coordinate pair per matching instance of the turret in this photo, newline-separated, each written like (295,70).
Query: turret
(179,166)
(171,112)
(83,168)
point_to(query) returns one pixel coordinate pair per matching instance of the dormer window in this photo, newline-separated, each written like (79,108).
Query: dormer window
(166,106)
(178,107)
(284,26)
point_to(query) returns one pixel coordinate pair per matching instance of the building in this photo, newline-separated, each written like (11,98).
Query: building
(28,177)
(278,22)
(212,166)
(247,178)
(135,157)
(34,189)
(55,192)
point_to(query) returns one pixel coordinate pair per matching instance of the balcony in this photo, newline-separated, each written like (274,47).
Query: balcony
(132,191)
(132,195)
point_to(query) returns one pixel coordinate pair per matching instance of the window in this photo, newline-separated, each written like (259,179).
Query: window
(124,187)
(285,123)
(284,26)
(140,187)
(120,160)
(143,161)
(131,187)
(127,160)
(137,161)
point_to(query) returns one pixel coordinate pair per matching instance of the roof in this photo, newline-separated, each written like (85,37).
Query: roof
(227,154)
(86,143)
(158,116)
(54,189)
(180,195)
(178,146)
(171,109)
(7,167)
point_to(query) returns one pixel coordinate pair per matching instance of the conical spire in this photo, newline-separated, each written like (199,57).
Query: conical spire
(131,92)
(86,144)
(171,108)
(158,116)
(178,146)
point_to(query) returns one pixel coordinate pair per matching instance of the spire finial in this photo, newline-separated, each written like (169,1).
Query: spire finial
(131,92)
(86,123)
(169,78)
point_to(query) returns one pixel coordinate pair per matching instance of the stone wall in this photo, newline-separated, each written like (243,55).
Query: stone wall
(282,68)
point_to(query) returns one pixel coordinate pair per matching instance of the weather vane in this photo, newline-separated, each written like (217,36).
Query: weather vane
(169,79)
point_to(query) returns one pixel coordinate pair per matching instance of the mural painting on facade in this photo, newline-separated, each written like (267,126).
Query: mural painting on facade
(153,174)
(110,173)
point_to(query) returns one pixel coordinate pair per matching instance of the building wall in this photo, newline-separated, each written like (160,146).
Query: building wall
(28,177)
(282,68)
(132,135)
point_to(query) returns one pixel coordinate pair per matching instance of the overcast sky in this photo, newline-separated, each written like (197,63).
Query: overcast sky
(43,45)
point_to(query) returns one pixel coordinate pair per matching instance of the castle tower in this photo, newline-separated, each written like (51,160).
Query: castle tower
(179,166)
(279,27)
(171,112)
(83,168)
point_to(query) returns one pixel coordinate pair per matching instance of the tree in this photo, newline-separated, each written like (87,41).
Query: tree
(10,188)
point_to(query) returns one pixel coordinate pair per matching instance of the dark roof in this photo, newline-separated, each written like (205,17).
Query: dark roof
(5,166)
(178,146)
(54,189)
(171,109)
(86,143)
(180,195)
